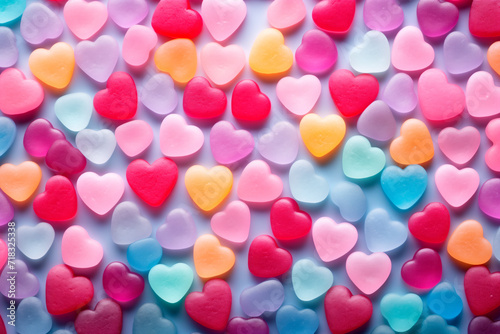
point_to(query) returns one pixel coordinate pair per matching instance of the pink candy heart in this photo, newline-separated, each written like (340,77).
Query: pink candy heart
(368,272)
(383,15)
(410,53)
(100,193)
(286,14)
(424,271)
(85,19)
(138,43)
(300,95)
(492,156)
(134,137)
(79,250)
(257,185)
(179,140)
(332,240)
(233,223)
(222,17)
(126,13)
(229,145)
(482,96)
(459,145)
(456,186)
(436,18)
(222,64)
(317,53)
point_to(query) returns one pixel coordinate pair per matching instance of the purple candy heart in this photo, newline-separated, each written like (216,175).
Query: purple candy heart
(399,94)
(483,325)
(267,296)
(16,282)
(383,15)
(229,145)
(98,59)
(377,122)
(436,18)
(239,325)
(39,137)
(489,197)
(6,210)
(178,232)
(8,48)
(39,23)
(461,56)
(126,13)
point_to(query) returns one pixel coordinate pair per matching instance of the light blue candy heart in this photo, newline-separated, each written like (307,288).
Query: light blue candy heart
(171,283)
(361,161)
(444,301)
(290,320)
(383,329)
(74,111)
(35,241)
(267,296)
(402,312)
(383,234)
(309,280)
(434,324)
(144,254)
(32,318)
(7,134)
(11,10)
(404,187)
(306,186)
(372,55)
(149,320)
(350,199)
(496,245)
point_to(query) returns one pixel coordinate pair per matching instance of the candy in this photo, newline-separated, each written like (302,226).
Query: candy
(171,284)
(414,146)
(460,55)
(223,18)
(107,316)
(269,56)
(119,100)
(12,11)
(212,260)
(96,145)
(208,188)
(431,225)
(158,94)
(138,43)
(126,13)
(98,59)
(100,193)
(444,301)
(372,55)
(32,317)
(253,325)
(202,101)
(401,311)
(8,48)
(144,254)
(377,122)
(410,52)
(306,186)
(178,232)
(334,17)
(74,111)
(436,18)
(383,329)
(149,320)
(332,240)
(20,182)
(6,210)
(309,280)
(39,137)
(134,137)
(35,241)
(178,140)
(383,15)
(280,145)
(267,296)
(121,284)
(383,234)
(286,14)
(178,58)
(360,161)
(26,284)
(257,185)
(488,198)
(424,271)
(459,146)
(493,56)
(483,19)
(435,324)
(467,244)
(222,64)
(233,223)
(368,272)
(85,19)
(229,145)
(19,96)
(322,136)
(491,157)
(79,250)
(404,187)
(350,200)
(53,67)
(176,19)
(317,53)
(63,158)
(456,186)
(483,325)
(299,96)
(266,259)
(399,94)
(482,96)
(290,320)
(39,24)
(58,203)
(7,134)
(127,224)
(3,254)
(482,290)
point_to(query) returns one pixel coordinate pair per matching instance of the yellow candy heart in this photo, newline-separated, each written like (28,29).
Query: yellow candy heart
(208,188)
(20,182)
(270,57)
(210,258)
(322,135)
(178,58)
(53,67)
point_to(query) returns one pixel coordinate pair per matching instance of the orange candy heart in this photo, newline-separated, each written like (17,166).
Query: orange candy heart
(210,258)
(208,188)
(178,58)
(414,146)
(322,135)
(493,57)
(269,55)
(467,244)
(53,67)
(20,182)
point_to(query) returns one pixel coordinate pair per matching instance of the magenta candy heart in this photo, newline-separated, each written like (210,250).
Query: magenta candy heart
(239,325)
(317,53)
(436,18)
(483,325)
(39,137)
(424,271)
(489,197)
(383,15)
(400,95)
(178,232)
(25,283)
(121,284)
(461,56)
(63,158)
(6,210)
(377,122)
(229,145)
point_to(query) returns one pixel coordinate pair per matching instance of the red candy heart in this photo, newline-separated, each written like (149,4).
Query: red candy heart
(19,97)
(63,158)
(248,103)
(288,222)
(482,290)
(483,18)
(66,293)
(3,330)
(106,318)
(119,99)
(58,202)
(431,226)
(345,312)
(334,16)
(352,94)
(266,259)
(176,19)
(152,183)
(210,308)
(203,101)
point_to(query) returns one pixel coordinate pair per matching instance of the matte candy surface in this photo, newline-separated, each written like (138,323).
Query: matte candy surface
(223,18)
(410,52)
(317,53)
(21,181)
(401,311)
(332,240)
(127,224)
(300,95)
(208,187)
(84,19)
(54,67)
(212,260)
(98,59)
(79,250)
(267,296)
(18,95)
(36,33)
(8,48)
(176,19)
(467,244)
(171,283)
(107,316)
(269,55)
(119,99)
(177,58)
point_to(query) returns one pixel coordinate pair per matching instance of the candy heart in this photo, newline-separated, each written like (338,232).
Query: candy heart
(269,56)
(134,137)
(25,283)
(4,253)
(491,156)
(368,272)
(467,244)
(289,320)
(138,43)
(35,241)
(79,250)
(430,225)
(176,19)
(468,59)
(211,260)
(127,224)
(299,96)
(488,198)
(410,53)
(243,110)
(178,231)
(266,259)
(401,311)
(149,320)
(257,185)
(208,188)
(121,284)
(107,317)
(39,137)
(434,324)
(178,58)
(32,317)
(96,145)
(229,145)
(65,293)
(286,14)
(414,146)
(144,254)
(482,95)
(383,234)
(267,296)
(39,24)
(436,18)
(222,64)
(482,290)
(334,17)
(100,193)
(8,48)
(85,19)
(424,271)
(483,325)
(332,240)
(360,161)
(309,280)
(456,186)
(98,59)
(383,15)
(54,67)
(350,200)
(444,301)
(74,111)
(12,11)
(459,146)
(179,140)
(126,13)
(210,308)
(404,187)
(377,122)
(7,134)
(372,55)
(280,145)
(6,210)
(223,18)
(158,94)
(171,284)
(483,19)
(202,101)
(19,96)
(20,182)
(119,100)
(317,53)
(493,56)
(345,312)
(63,158)
(322,135)
(399,94)
(253,325)
(152,183)
(58,203)
(302,180)
(383,329)
(232,224)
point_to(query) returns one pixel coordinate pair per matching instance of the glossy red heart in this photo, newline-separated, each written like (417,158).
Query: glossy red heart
(203,101)
(210,308)
(352,94)
(424,271)
(431,225)
(266,259)
(248,103)
(65,293)
(345,312)
(152,183)
(119,99)
(58,203)
(176,19)
(334,16)
(288,222)
(63,158)
(106,318)
(483,18)
(482,290)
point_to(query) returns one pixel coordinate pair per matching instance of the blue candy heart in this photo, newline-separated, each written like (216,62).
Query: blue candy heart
(267,296)
(434,324)
(289,320)
(32,318)
(305,185)
(7,134)
(444,301)
(381,233)
(350,199)
(144,254)
(402,312)
(149,320)
(383,329)
(309,280)
(404,187)
(74,110)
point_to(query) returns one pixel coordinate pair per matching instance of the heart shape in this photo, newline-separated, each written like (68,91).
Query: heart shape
(410,52)
(269,56)
(178,232)
(333,16)
(79,250)
(126,13)
(9,52)
(27,284)
(98,59)
(6,211)
(121,284)
(208,188)
(431,225)
(20,182)
(444,301)
(171,284)
(368,272)
(178,58)
(211,260)
(322,135)
(35,241)
(482,290)
(19,96)
(372,55)
(39,137)
(96,145)
(253,325)
(483,19)
(459,146)
(35,33)
(100,193)
(223,18)
(309,280)
(456,186)
(266,259)
(383,15)
(414,146)
(383,234)
(63,158)
(127,224)
(377,122)
(7,134)
(255,300)
(74,111)
(248,103)
(288,222)
(302,179)
(482,95)
(222,64)
(138,43)
(480,325)
(491,156)
(119,100)
(149,318)
(58,203)
(53,67)
(32,317)
(467,244)
(401,311)
(289,318)
(361,161)
(144,254)
(134,137)
(84,19)
(488,198)
(233,223)
(203,101)
(469,59)
(404,187)
(424,271)
(286,15)
(176,19)
(280,145)
(350,200)
(317,52)
(158,94)
(436,18)
(179,140)
(228,145)
(257,185)
(332,240)
(299,96)
(492,56)
(107,316)
(399,94)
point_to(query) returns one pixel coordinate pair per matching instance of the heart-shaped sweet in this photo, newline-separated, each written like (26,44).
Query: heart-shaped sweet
(288,222)
(178,58)
(368,272)
(20,182)
(431,225)
(467,244)
(35,241)
(178,232)
(26,284)
(482,95)
(299,96)
(79,250)
(317,53)
(257,185)
(6,210)
(290,319)
(377,122)
(460,55)
(74,111)
(436,18)
(208,188)
(488,198)
(309,280)
(332,240)
(424,271)
(269,56)
(178,139)
(383,234)
(100,193)
(491,156)
(35,32)
(229,145)
(410,52)
(456,186)
(96,145)
(134,137)
(267,296)
(149,319)
(401,311)
(280,145)
(19,96)
(212,260)
(32,317)
(126,13)
(372,55)
(482,290)
(483,325)
(248,103)
(158,94)
(121,284)
(171,284)
(127,224)
(144,254)
(404,187)
(493,56)
(303,179)
(223,18)
(361,161)
(98,59)
(333,16)
(222,64)
(138,43)
(233,223)
(176,19)
(286,15)
(8,52)
(63,158)
(414,146)
(436,324)
(84,19)
(253,325)
(54,67)
(7,134)
(399,94)
(350,200)
(459,146)
(322,136)
(383,15)
(58,203)
(119,100)
(444,301)
(107,317)
(203,101)
(266,259)
(39,137)
(12,11)
(483,20)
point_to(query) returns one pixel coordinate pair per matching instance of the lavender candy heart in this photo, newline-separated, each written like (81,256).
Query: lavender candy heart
(8,48)
(377,122)
(16,282)
(6,210)
(127,224)
(126,13)
(239,325)
(158,94)
(178,232)
(489,197)
(267,296)
(98,59)
(39,24)
(383,15)
(461,56)
(280,145)
(399,94)
(483,325)
(32,317)
(229,145)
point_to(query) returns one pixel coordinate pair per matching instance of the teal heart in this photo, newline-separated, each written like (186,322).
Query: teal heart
(149,320)
(404,187)
(290,320)
(32,317)
(171,283)
(434,324)
(306,186)
(309,280)
(7,134)
(11,10)
(444,301)
(74,110)
(361,161)
(401,312)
